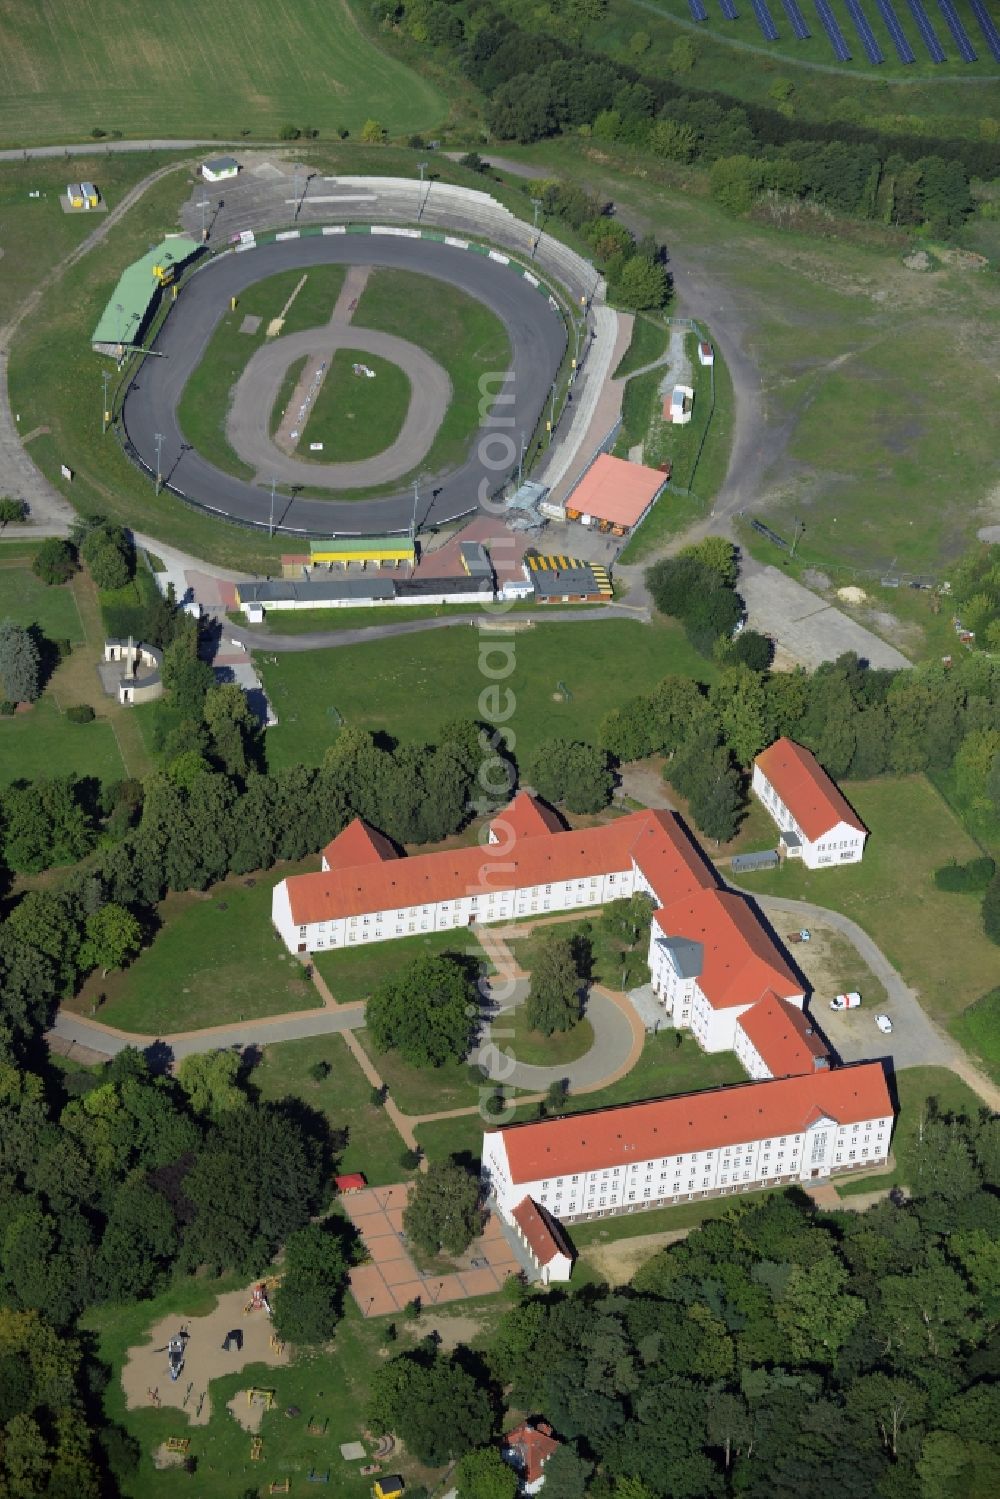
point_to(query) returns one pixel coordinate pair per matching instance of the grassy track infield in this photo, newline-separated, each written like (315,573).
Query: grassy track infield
(353,416)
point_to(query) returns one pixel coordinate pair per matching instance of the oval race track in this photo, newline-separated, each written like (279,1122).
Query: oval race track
(537,337)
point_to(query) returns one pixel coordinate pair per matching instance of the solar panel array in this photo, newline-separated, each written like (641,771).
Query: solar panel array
(927,35)
(833,31)
(987,26)
(796,19)
(729,10)
(764,20)
(965,50)
(862,26)
(896,31)
(698,11)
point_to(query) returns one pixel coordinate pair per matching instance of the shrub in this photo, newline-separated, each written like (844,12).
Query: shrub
(12,510)
(55,561)
(289,132)
(320,1071)
(81,713)
(991,910)
(960,879)
(7,708)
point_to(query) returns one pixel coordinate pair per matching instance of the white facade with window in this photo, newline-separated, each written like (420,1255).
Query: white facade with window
(463,910)
(840,843)
(822,1149)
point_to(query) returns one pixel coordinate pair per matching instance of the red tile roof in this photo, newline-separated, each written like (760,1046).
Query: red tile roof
(784,1037)
(358,844)
(741,962)
(615,490)
(526,817)
(806,789)
(528,1448)
(540,1231)
(424,879)
(694,1121)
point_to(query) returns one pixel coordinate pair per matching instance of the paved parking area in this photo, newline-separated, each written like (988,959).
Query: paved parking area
(391,1280)
(809,628)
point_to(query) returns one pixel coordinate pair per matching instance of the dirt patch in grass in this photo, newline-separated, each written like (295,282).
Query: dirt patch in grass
(617,1263)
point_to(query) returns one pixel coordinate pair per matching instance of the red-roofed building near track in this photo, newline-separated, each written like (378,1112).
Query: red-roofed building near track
(816,822)
(716,970)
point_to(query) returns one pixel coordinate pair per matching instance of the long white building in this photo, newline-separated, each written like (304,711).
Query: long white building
(670,1150)
(815,821)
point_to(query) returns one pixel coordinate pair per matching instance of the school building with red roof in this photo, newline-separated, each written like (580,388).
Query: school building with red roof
(816,822)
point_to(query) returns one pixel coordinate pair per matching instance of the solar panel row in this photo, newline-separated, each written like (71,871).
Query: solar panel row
(764,20)
(833,31)
(965,50)
(698,11)
(896,31)
(987,26)
(796,19)
(927,35)
(863,27)
(729,10)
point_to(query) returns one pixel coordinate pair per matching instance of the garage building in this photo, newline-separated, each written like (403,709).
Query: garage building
(615,495)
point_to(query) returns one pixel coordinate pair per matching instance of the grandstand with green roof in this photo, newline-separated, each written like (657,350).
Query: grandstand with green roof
(137,294)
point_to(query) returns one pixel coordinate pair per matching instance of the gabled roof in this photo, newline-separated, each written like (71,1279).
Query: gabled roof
(578,853)
(693,1122)
(806,789)
(540,1231)
(526,817)
(357,846)
(740,961)
(528,1448)
(784,1037)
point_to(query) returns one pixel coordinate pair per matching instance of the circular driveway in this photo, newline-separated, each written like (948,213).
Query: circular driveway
(248,425)
(609,1054)
(510,407)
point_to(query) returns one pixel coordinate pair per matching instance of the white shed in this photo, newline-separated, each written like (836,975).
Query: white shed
(219,168)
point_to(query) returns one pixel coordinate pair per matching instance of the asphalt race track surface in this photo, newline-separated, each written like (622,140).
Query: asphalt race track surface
(537,338)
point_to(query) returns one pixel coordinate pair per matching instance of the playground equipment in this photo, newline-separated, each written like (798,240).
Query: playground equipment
(175,1355)
(318,1428)
(177,1444)
(233,1339)
(314,1477)
(277,1346)
(256,1447)
(260,1397)
(280,1488)
(389,1487)
(384,1447)
(258,1296)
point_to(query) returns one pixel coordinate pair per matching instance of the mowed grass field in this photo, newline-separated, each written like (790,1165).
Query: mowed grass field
(353,416)
(215,959)
(409,686)
(205,402)
(185,68)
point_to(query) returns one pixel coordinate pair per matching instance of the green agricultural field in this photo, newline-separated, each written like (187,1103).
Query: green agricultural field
(205,401)
(355,417)
(365,1139)
(934,939)
(215,959)
(28,601)
(43,742)
(188,68)
(409,686)
(352,973)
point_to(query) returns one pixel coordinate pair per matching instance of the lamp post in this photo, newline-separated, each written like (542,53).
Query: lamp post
(270,524)
(799,531)
(204,205)
(536,207)
(158,439)
(105,376)
(520,461)
(422,167)
(552,410)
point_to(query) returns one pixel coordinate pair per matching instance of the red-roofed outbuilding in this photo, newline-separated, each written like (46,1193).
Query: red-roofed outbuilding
(816,821)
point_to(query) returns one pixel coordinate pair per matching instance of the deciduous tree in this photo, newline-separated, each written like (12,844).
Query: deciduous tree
(443,1210)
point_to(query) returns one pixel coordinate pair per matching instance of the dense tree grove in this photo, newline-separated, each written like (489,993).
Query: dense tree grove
(782,1351)
(529,63)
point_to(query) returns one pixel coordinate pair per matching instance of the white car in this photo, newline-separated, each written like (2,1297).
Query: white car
(884,1024)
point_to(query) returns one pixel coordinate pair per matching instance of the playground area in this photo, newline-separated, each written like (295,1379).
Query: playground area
(225,1341)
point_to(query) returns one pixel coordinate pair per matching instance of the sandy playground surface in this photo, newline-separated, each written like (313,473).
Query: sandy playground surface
(146,1370)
